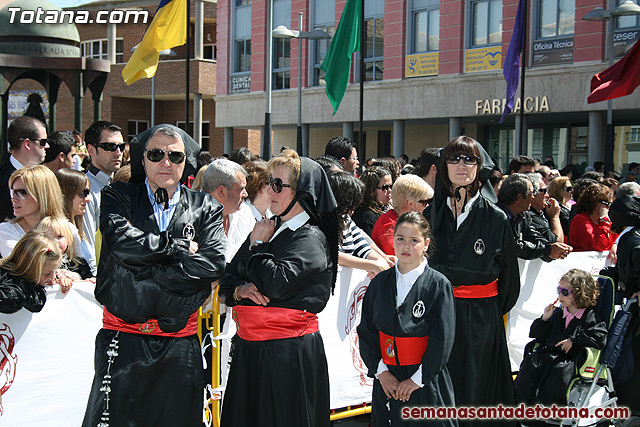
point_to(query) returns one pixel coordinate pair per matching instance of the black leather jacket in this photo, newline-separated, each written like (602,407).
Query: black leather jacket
(147,274)
(17,292)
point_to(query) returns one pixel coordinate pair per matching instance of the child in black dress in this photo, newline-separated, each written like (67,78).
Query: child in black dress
(561,333)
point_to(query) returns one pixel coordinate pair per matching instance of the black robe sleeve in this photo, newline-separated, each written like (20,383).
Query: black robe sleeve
(509,277)
(17,292)
(590,333)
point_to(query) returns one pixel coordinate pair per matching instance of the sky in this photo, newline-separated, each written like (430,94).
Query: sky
(67,3)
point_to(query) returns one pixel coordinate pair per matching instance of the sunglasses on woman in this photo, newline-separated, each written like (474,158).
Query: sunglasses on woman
(84,193)
(564,291)
(276,184)
(606,203)
(569,189)
(468,160)
(156,155)
(19,193)
(385,187)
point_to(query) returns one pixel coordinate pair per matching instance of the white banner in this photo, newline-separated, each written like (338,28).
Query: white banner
(348,379)
(46,366)
(538,283)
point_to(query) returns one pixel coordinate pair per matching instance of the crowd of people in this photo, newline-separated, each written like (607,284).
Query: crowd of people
(440,237)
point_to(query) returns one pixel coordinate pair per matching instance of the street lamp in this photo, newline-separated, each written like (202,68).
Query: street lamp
(627,8)
(283,32)
(164,54)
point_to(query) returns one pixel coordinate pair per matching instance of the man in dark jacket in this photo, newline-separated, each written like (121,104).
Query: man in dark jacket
(162,246)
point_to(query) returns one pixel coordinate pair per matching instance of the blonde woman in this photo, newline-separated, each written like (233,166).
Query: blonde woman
(410,193)
(35,193)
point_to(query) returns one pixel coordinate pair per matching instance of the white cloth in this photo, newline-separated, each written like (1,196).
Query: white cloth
(467,208)
(256,213)
(16,164)
(10,233)
(293,224)
(404,283)
(241,224)
(97,180)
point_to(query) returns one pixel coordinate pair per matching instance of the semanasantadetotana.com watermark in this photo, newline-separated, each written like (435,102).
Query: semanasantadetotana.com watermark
(42,16)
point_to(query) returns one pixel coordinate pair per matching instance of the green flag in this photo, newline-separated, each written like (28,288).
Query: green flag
(337,62)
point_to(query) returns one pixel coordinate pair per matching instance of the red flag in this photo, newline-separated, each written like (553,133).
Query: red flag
(621,79)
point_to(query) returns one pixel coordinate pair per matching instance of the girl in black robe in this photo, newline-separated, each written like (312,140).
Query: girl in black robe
(475,250)
(547,370)
(406,309)
(276,283)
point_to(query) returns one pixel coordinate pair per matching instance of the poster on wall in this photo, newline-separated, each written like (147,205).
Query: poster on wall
(422,64)
(19,102)
(484,59)
(547,52)
(623,41)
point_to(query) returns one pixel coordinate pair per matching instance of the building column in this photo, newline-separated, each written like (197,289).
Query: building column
(398,138)
(347,130)
(97,108)
(78,113)
(305,139)
(455,127)
(197,118)
(521,147)
(52,116)
(4,118)
(228,140)
(597,136)
(198,44)
(111,43)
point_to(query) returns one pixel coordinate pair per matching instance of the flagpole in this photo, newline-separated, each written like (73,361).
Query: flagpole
(523,65)
(187,77)
(361,147)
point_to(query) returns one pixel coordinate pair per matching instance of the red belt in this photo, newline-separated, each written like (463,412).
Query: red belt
(476,291)
(410,349)
(150,327)
(257,323)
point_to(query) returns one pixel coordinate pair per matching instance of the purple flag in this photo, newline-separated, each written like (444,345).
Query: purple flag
(512,62)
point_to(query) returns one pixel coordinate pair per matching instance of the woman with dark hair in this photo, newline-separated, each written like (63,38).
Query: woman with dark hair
(390,164)
(570,171)
(277,283)
(355,250)
(376,198)
(258,197)
(590,228)
(475,250)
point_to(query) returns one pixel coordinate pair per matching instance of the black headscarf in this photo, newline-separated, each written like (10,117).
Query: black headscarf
(625,211)
(136,151)
(316,198)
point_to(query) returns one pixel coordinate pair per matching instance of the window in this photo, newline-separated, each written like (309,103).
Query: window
(134,127)
(384,143)
(98,49)
(243,56)
(323,19)
(281,63)
(486,22)
(241,39)
(426,30)
(204,143)
(628,21)
(374,49)
(556,18)
(634,134)
(211,52)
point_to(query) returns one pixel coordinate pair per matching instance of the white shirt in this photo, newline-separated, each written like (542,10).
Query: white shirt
(241,224)
(293,224)
(404,283)
(467,208)
(97,180)
(10,233)
(16,164)
(626,230)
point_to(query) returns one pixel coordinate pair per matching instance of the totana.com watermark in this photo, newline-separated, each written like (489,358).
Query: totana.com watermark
(42,16)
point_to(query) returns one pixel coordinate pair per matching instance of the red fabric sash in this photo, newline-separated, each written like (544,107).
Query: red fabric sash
(476,291)
(150,327)
(257,323)
(410,349)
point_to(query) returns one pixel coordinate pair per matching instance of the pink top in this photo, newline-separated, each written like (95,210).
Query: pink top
(568,316)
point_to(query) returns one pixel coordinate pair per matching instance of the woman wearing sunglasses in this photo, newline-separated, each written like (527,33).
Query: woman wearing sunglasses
(590,228)
(560,189)
(475,250)
(410,193)
(76,194)
(377,197)
(277,283)
(35,193)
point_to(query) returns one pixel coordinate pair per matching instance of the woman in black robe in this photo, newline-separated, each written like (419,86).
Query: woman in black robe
(277,283)
(410,320)
(475,250)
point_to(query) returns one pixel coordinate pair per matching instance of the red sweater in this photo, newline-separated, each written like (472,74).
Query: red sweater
(585,235)
(383,230)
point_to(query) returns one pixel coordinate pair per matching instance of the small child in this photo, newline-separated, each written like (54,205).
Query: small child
(407,329)
(26,271)
(73,267)
(546,371)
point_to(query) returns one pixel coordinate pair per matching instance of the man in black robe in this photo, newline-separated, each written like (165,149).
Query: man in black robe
(162,246)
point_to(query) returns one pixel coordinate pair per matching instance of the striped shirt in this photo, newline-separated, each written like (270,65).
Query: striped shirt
(354,241)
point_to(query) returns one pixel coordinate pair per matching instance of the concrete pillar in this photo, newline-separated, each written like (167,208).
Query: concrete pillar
(198,48)
(228,140)
(197,118)
(597,136)
(521,146)
(455,127)
(97,109)
(111,43)
(305,139)
(347,130)
(398,138)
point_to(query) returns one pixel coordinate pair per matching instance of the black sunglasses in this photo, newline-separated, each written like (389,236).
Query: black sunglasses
(84,193)
(468,160)
(156,155)
(385,187)
(542,190)
(606,203)
(276,184)
(19,193)
(42,142)
(569,189)
(423,202)
(110,146)
(564,291)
